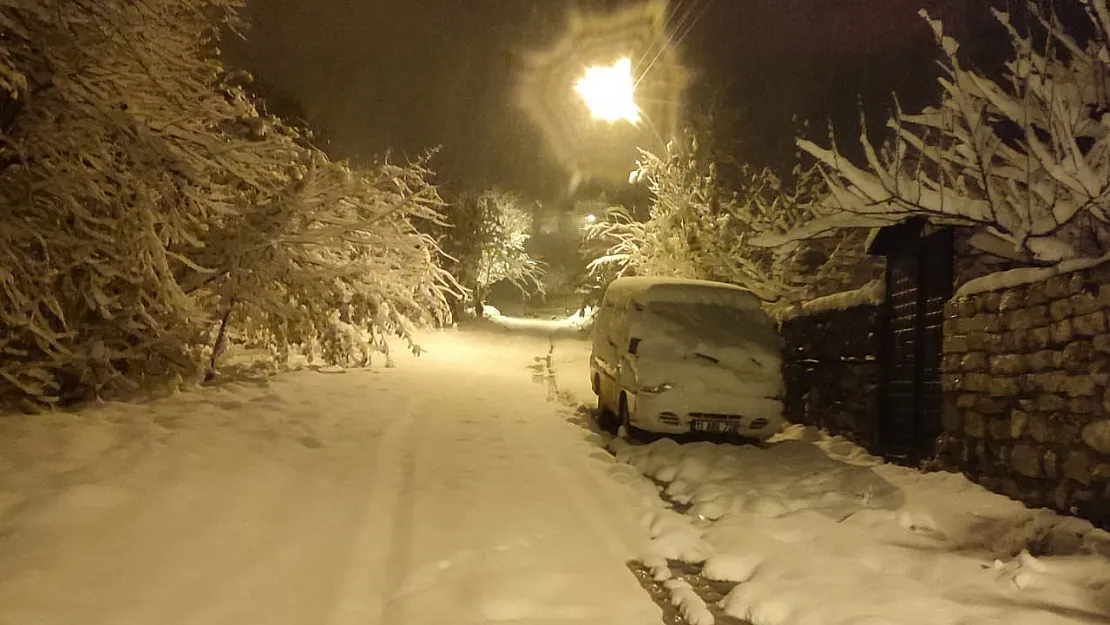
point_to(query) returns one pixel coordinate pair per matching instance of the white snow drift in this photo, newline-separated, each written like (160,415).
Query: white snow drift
(815,531)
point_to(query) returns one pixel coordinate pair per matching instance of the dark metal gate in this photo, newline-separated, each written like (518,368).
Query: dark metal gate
(918,283)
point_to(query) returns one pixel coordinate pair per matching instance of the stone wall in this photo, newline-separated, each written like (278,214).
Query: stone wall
(830,365)
(1027,401)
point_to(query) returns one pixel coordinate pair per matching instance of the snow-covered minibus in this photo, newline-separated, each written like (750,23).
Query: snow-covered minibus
(678,356)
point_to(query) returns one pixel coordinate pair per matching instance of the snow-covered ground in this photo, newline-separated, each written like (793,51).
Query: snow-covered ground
(454,489)
(448,490)
(814,531)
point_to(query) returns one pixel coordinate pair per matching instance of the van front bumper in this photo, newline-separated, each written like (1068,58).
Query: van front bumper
(663,415)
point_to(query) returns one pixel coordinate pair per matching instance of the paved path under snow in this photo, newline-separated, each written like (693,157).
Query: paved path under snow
(446,491)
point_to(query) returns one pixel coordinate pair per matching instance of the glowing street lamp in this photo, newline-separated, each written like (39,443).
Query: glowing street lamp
(609,92)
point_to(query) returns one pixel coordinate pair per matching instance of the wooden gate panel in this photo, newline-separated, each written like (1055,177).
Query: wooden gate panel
(896,433)
(919,283)
(937,264)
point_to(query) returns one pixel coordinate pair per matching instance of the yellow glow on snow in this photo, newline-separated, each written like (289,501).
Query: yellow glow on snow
(609,92)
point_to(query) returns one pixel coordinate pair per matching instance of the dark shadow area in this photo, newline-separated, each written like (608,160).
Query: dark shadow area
(711,592)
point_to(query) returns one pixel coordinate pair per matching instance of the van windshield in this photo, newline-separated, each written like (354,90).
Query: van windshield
(713,324)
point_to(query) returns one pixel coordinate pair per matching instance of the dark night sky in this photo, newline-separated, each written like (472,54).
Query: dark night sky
(405,75)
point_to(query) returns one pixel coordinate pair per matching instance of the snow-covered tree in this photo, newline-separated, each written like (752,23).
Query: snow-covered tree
(113,168)
(336,256)
(487,238)
(131,174)
(696,228)
(1024,157)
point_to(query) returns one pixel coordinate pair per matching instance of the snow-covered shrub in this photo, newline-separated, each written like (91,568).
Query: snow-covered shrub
(1024,158)
(144,204)
(699,229)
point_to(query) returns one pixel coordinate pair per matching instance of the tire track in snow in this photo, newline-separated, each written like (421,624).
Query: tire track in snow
(577,475)
(709,591)
(581,487)
(398,560)
(365,596)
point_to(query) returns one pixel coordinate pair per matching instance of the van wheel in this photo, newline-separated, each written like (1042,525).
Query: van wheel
(626,419)
(633,433)
(606,420)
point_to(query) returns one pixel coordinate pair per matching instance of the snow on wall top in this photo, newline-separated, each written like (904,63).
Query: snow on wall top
(871,294)
(658,289)
(1025,275)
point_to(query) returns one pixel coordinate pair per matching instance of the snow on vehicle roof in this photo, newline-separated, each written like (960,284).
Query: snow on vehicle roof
(659,289)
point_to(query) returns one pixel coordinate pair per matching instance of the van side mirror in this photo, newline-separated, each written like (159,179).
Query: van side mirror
(633,345)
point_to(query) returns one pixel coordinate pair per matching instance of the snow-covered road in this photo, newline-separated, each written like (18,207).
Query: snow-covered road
(447,490)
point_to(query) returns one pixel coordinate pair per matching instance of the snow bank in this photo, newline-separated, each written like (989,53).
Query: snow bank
(579,322)
(1025,275)
(815,530)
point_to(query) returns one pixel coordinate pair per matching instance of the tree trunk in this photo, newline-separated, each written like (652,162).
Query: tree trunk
(221,338)
(479,311)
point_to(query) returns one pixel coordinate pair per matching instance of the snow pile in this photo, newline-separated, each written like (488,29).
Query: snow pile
(814,530)
(693,609)
(580,322)
(583,319)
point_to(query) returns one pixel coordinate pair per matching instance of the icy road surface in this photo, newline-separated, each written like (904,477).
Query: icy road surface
(447,491)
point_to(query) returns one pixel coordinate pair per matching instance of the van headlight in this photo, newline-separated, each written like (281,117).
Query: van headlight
(658,388)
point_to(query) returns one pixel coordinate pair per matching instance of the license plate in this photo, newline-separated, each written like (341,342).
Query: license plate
(715,427)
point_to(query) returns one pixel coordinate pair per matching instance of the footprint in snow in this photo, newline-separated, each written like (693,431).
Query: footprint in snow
(311,442)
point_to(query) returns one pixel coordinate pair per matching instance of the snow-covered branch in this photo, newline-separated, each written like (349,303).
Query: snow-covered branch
(1025,158)
(698,229)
